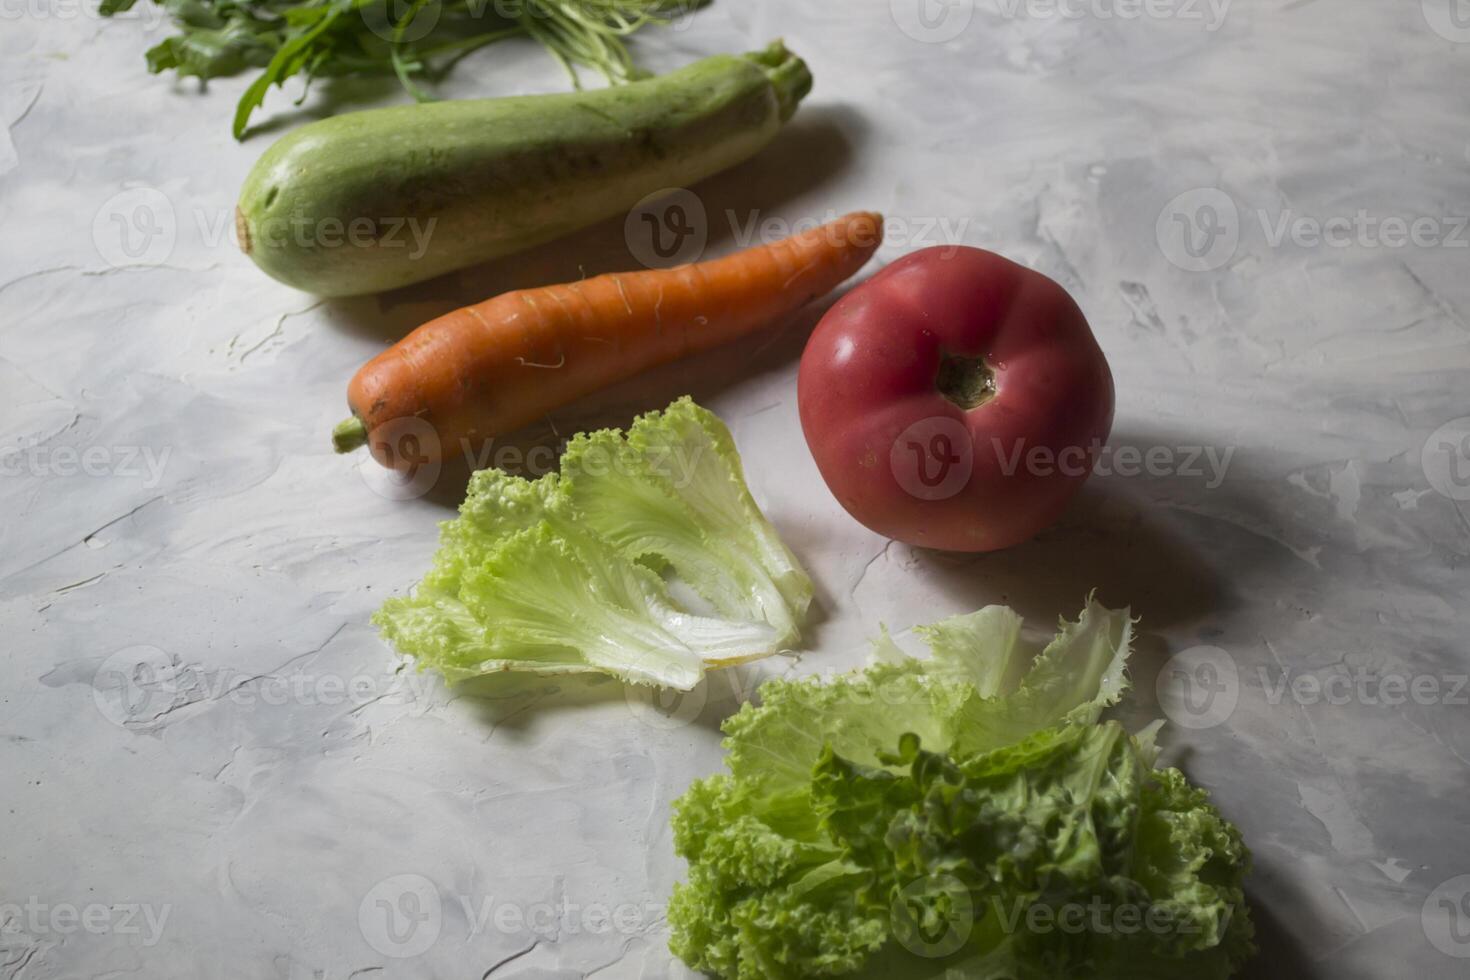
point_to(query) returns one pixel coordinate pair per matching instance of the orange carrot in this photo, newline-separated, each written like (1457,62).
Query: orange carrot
(488,369)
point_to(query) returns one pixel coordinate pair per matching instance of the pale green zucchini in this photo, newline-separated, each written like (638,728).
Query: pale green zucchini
(372,200)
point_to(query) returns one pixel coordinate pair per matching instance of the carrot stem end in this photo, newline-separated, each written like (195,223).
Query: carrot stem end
(349,434)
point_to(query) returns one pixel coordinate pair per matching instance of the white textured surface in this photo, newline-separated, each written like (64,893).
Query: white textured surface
(257,806)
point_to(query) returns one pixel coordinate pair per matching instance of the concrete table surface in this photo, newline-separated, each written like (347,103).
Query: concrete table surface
(213,767)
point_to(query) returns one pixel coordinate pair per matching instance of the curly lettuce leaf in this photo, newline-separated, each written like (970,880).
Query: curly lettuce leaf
(953,817)
(527,579)
(674,492)
(943,699)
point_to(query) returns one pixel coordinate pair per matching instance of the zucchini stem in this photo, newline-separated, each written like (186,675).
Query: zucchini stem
(789,75)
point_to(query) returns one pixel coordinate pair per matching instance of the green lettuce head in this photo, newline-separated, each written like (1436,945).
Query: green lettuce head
(967,815)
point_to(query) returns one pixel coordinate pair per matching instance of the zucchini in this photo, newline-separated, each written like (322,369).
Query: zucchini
(373,200)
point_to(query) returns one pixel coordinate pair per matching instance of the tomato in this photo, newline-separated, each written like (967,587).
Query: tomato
(956,400)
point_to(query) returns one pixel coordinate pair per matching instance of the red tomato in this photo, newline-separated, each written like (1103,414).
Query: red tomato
(956,400)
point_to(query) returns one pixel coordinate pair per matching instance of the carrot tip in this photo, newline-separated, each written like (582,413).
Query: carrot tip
(349,434)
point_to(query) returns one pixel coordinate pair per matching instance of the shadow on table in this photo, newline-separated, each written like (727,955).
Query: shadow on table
(331,97)
(1123,537)
(1279,955)
(512,703)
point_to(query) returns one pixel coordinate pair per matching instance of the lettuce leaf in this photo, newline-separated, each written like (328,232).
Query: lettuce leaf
(562,574)
(967,815)
(675,491)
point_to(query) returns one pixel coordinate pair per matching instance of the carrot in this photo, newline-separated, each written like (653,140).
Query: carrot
(491,368)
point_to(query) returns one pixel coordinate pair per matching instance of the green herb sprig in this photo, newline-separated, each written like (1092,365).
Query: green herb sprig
(417,40)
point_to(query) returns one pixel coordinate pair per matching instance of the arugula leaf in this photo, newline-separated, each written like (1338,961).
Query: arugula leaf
(330,38)
(289,60)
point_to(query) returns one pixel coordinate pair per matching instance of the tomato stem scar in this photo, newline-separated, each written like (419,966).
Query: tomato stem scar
(968,382)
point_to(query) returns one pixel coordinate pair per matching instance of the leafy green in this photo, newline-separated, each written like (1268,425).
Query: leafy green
(967,815)
(413,39)
(546,576)
(676,491)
